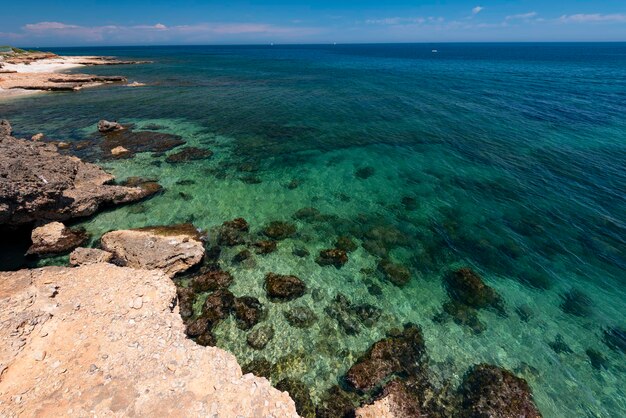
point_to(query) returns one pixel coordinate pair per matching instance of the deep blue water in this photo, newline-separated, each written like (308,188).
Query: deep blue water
(510,158)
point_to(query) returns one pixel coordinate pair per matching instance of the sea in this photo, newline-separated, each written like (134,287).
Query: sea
(509,159)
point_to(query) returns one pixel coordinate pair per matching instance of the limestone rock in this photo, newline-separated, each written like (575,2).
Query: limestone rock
(82,256)
(106,126)
(119,150)
(173,249)
(5,128)
(55,238)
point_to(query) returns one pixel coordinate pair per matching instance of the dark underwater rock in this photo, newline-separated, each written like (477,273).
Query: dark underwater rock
(615,339)
(135,142)
(396,400)
(186,298)
(559,346)
(211,280)
(489,391)
(336,403)
(299,392)
(279,230)
(189,154)
(400,354)
(308,214)
(300,252)
(364,172)
(248,311)
(251,180)
(576,303)
(207,339)
(218,305)
(332,257)
(346,244)
(597,359)
(284,287)
(300,316)
(241,256)
(467,287)
(265,247)
(395,273)
(258,367)
(464,315)
(197,327)
(233,232)
(409,203)
(388,235)
(349,316)
(259,337)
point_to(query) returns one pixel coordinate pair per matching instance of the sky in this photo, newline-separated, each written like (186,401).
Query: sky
(40,23)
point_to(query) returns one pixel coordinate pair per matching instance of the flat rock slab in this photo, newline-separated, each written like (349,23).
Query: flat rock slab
(102,340)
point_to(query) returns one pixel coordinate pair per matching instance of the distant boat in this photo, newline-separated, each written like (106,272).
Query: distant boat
(434,51)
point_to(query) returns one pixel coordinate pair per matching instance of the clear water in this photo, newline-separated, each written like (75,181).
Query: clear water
(515,155)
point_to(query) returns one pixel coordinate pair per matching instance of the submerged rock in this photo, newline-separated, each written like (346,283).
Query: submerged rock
(242,256)
(467,287)
(336,403)
(83,256)
(284,287)
(233,232)
(265,247)
(134,142)
(615,339)
(299,392)
(300,252)
(346,244)
(55,238)
(206,340)
(258,367)
(248,311)
(395,273)
(308,214)
(279,230)
(332,257)
(172,249)
(403,353)
(576,303)
(300,316)
(211,280)
(489,391)
(186,299)
(197,327)
(365,172)
(559,345)
(218,305)
(189,154)
(396,401)
(464,315)
(350,317)
(597,359)
(259,337)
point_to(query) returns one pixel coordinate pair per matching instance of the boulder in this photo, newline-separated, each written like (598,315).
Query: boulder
(284,287)
(173,249)
(467,287)
(211,280)
(106,126)
(400,354)
(248,311)
(233,232)
(332,257)
(117,151)
(39,184)
(218,305)
(260,336)
(55,238)
(489,391)
(83,256)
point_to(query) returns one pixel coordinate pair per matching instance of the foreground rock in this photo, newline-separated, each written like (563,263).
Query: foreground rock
(489,391)
(173,249)
(37,183)
(55,238)
(113,336)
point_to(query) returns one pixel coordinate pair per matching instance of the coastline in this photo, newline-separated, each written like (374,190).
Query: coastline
(34,73)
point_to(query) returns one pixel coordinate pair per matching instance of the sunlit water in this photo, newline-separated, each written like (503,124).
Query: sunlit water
(507,158)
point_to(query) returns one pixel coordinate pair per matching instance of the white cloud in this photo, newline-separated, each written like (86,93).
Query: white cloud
(591,18)
(396,21)
(522,16)
(477,10)
(48,26)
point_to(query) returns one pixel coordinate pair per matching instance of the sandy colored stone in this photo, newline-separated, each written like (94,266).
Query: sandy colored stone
(82,256)
(54,237)
(119,151)
(105,359)
(173,249)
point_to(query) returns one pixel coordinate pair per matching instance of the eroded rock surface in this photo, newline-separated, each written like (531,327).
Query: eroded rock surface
(173,249)
(37,183)
(102,340)
(55,238)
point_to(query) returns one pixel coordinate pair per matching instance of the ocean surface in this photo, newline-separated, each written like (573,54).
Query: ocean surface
(508,158)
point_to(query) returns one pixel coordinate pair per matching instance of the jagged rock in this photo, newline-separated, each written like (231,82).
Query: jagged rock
(197,327)
(206,340)
(403,353)
(186,298)
(189,154)
(260,336)
(218,305)
(83,256)
(395,273)
(173,249)
(284,287)
(489,391)
(39,184)
(467,287)
(279,230)
(248,311)
(5,128)
(299,392)
(106,126)
(55,238)
(332,257)
(300,316)
(211,280)
(396,401)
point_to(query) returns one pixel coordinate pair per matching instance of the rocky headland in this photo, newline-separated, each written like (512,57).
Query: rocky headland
(113,334)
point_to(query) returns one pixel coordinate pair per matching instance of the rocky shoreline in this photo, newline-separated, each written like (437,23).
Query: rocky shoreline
(39,71)
(115,335)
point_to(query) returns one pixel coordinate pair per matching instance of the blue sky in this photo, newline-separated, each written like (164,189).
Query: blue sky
(143,22)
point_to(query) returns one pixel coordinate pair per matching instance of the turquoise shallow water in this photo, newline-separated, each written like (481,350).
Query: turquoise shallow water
(507,158)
